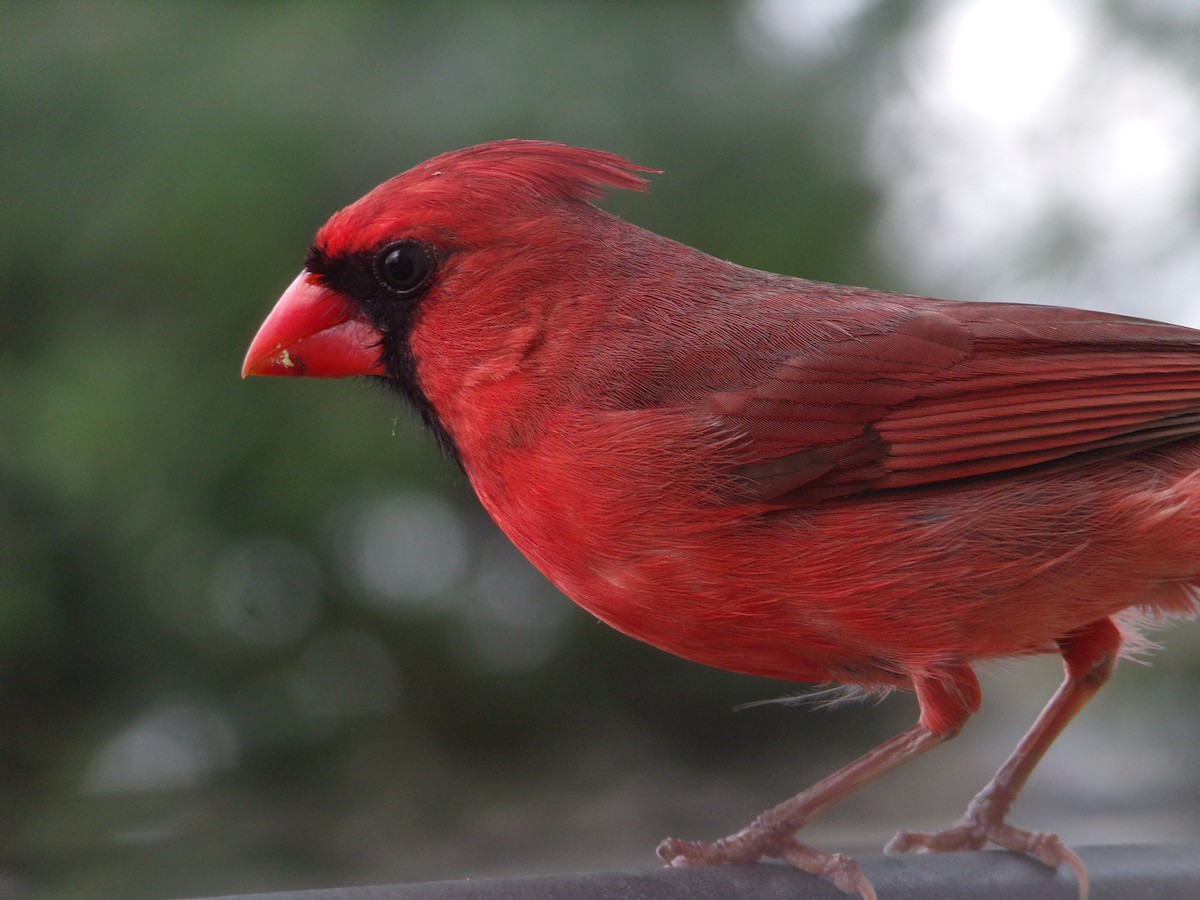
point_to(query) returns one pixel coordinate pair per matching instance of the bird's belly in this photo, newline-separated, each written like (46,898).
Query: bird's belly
(870,589)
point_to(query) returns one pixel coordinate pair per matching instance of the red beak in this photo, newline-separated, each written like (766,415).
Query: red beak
(316,332)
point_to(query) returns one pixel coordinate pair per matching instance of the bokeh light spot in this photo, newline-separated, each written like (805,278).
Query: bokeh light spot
(404,549)
(266,590)
(168,748)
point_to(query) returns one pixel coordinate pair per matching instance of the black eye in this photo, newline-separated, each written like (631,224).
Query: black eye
(403,267)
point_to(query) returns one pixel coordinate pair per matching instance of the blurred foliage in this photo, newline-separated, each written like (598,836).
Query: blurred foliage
(204,685)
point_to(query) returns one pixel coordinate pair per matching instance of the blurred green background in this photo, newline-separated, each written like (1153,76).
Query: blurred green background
(258,635)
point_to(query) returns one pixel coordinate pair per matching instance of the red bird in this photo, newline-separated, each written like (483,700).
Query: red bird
(771,475)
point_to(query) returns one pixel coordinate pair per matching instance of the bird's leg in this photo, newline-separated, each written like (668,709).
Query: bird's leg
(1089,655)
(772,834)
(953,691)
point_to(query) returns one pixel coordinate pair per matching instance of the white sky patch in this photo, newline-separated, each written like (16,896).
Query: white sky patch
(1002,63)
(1030,152)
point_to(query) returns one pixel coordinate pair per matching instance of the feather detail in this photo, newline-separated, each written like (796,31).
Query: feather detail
(940,398)
(497,181)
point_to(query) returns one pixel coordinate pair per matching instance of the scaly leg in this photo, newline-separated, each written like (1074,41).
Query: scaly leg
(947,696)
(1089,655)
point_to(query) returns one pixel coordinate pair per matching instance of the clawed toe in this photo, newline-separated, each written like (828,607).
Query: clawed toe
(844,873)
(973,835)
(961,836)
(747,847)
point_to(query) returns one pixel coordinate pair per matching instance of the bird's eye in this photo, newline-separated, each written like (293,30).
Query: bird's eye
(403,267)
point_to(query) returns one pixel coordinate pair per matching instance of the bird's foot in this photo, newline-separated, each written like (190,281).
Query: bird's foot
(755,842)
(978,827)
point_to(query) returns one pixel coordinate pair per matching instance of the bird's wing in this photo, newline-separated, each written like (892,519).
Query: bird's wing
(958,391)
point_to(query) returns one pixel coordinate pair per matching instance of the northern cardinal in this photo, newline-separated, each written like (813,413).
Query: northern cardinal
(767,474)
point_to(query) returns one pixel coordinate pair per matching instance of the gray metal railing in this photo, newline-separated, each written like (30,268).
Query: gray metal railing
(1153,872)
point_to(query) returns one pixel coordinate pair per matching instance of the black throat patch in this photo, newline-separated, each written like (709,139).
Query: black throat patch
(353,276)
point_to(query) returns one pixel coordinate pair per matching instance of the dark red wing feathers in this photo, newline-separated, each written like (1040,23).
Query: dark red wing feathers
(957,391)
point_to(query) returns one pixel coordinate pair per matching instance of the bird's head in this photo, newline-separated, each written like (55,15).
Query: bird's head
(427,238)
